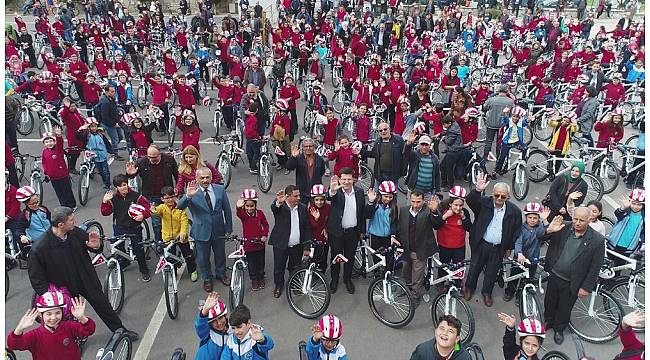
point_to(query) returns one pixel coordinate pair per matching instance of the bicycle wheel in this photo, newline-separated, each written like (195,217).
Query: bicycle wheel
(114,287)
(602,325)
(339,99)
(366,178)
(529,305)
(537,165)
(394,308)
(458,308)
(25,122)
(93,227)
(608,174)
(312,303)
(122,349)
(223,165)
(639,180)
(306,120)
(359,266)
(620,290)
(475,351)
(9,355)
(237,287)
(171,296)
(265,174)
(541,130)
(632,141)
(203,88)
(520,182)
(217,121)
(36,182)
(178,354)
(555,355)
(528,135)
(84,182)
(594,187)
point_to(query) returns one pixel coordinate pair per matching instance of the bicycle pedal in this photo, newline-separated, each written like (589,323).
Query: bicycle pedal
(426,298)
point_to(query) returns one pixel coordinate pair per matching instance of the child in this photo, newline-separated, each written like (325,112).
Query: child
(255,232)
(247,341)
(610,128)
(596,208)
(140,136)
(325,340)
(482,92)
(121,64)
(186,98)
(55,338)
(513,136)
(34,220)
(72,120)
(364,92)
(280,130)
(564,128)
(345,156)
(527,246)
(362,126)
(291,93)
(211,325)
(614,91)
(531,335)
(102,65)
(544,95)
(169,64)
(96,141)
(160,93)
(332,129)
(318,101)
(226,96)
(578,94)
(175,227)
(635,71)
(186,123)
(238,93)
(382,212)
(123,90)
(252,134)
(629,231)
(319,211)
(90,88)
(55,168)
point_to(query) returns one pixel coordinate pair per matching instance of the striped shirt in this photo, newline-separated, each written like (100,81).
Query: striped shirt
(425,174)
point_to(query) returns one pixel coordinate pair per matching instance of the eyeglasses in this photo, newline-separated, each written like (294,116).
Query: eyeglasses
(383,130)
(425,144)
(500,196)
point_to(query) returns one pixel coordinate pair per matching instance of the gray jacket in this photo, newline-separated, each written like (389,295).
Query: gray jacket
(588,115)
(493,108)
(452,138)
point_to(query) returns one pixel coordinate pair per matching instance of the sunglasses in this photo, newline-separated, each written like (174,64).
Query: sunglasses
(497,196)
(383,130)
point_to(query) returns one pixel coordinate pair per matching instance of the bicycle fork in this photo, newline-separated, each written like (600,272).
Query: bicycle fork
(450,306)
(388,290)
(306,284)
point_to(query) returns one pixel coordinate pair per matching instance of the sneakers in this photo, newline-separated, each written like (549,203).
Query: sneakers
(146,277)
(261,284)
(278,167)
(253,171)
(194,276)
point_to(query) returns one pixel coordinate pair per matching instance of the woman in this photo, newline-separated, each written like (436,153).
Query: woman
(190,162)
(448,84)
(562,186)
(460,101)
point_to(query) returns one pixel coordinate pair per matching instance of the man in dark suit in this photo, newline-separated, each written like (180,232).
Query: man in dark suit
(381,38)
(309,166)
(596,76)
(211,220)
(290,232)
(345,224)
(497,224)
(574,257)
(387,152)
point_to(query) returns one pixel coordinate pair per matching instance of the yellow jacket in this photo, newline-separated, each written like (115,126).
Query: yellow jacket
(174,222)
(572,129)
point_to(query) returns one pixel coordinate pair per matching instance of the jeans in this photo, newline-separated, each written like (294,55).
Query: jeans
(155,219)
(63,190)
(503,154)
(218,248)
(116,135)
(103,170)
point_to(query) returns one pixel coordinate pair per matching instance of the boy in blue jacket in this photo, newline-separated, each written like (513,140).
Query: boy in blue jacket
(325,340)
(513,136)
(212,328)
(247,340)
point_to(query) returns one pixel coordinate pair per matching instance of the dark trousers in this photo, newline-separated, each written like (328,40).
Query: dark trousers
(490,134)
(512,287)
(486,259)
(558,302)
(162,123)
(253,152)
(72,160)
(449,255)
(188,255)
(280,257)
(228,116)
(63,190)
(156,222)
(503,154)
(13,176)
(102,307)
(345,244)
(104,171)
(320,255)
(11,136)
(294,123)
(448,166)
(136,245)
(256,263)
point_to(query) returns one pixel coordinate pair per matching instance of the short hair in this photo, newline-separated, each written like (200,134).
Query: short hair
(503,88)
(240,315)
(451,321)
(502,186)
(290,189)
(254,107)
(346,171)
(307,140)
(167,190)
(591,91)
(120,179)
(203,170)
(447,119)
(344,137)
(417,193)
(59,215)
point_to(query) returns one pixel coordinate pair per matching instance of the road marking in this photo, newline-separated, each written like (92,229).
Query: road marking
(611,202)
(146,342)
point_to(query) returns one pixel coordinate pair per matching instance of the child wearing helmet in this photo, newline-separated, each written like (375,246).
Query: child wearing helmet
(290,92)
(248,340)
(255,229)
(610,128)
(382,212)
(596,209)
(139,134)
(95,140)
(280,130)
(175,227)
(212,328)
(186,122)
(55,338)
(513,136)
(34,220)
(564,127)
(319,211)
(527,244)
(344,156)
(325,340)
(56,169)
(531,335)
(628,234)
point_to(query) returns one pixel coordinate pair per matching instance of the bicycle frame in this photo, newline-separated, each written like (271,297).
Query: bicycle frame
(13,251)
(452,275)
(368,255)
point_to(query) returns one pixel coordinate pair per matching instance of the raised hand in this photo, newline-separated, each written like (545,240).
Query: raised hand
(337,145)
(210,302)
(191,188)
(625,202)
(334,184)
(556,225)
(482,182)
(545,213)
(78,307)
(295,151)
(93,240)
(26,321)
(256,333)
(411,137)
(315,213)
(635,319)
(240,203)
(372,195)
(57,131)
(108,196)
(280,197)
(575,195)
(433,203)
(316,332)
(509,320)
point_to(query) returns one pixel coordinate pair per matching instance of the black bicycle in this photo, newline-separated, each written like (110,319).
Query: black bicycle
(118,347)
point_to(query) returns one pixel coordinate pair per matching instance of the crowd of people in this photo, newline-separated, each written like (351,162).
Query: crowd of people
(387,54)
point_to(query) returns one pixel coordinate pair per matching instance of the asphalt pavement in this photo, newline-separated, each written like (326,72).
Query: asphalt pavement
(364,337)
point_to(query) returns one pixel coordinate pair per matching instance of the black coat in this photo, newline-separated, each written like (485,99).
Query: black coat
(427,351)
(282,229)
(483,209)
(335,219)
(425,238)
(170,174)
(51,262)
(302,180)
(560,190)
(397,145)
(585,267)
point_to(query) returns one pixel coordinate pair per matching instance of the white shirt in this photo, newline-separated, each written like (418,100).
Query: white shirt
(350,211)
(294,235)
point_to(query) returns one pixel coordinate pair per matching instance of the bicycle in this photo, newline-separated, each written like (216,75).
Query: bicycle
(236,293)
(168,263)
(25,115)
(217,118)
(628,290)
(629,157)
(520,181)
(340,99)
(134,182)
(36,177)
(307,290)
(143,95)
(86,171)
(10,355)
(603,165)
(475,351)
(529,305)
(475,166)
(178,354)
(264,169)
(228,157)
(119,347)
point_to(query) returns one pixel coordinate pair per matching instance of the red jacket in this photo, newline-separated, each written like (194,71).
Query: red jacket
(170,66)
(283,120)
(78,69)
(345,158)
(318,227)
(452,233)
(46,345)
(254,227)
(480,95)
(362,126)
(103,66)
(577,95)
(291,94)
(630,343)
(191,134)
(614,94)
(250,127)
(237,70)
(54,164)
(160,92)
(607,131)
(91,91)
(50,89)
(364,94)
(122,65)
(72,122)
(12,206)
(468,132)
(226,93)
(185,95)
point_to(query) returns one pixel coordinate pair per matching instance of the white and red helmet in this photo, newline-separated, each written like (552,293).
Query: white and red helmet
(458,192)
(618,111)
(583,79)
(533,208)
(188,112)
(91,120)
(531,327)
(48,135)
(46,74)
(472,112)
(331,326)
(519,111)
(420,127)
(136,210)
(282,104)
(249,194)
(635,195)
(25,193)
(206,101)
(387,187)
(50,300)
(318,190)
(217,311)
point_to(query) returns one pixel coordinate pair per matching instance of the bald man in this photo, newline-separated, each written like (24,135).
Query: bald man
(574,257)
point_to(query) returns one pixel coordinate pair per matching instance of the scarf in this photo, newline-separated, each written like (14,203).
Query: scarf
(581,166)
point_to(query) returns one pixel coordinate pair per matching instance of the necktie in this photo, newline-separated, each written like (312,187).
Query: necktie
(208,200)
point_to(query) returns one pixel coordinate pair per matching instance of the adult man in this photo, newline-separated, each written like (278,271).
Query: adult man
(345,224)
(596,76)
(588,113)
(254,74)
(108,115)
(156,171)
(387,152)
(253,94)
(309,166)
(290,232)
(446,343)
(424,167)
(415,234)
(382,39)
(497,224)
(574,257)
(212,219)
(61,258)
(493,108)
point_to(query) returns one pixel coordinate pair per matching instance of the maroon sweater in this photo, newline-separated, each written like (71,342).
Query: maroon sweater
(46,345)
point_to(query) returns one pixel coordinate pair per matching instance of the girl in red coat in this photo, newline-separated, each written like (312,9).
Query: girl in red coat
(55,168)
(614,91)
(281,124)
(186,98)
(362,126)
(169,64)
(610,128)
(72,120)
(332,128)
(102,65)
(345,155)
(290,92)
(186,123)
(160,93)
(255,232)
(91,90)
(319,212)
(140,135)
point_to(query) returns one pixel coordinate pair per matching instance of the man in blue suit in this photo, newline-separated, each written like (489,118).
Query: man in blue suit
(211,221)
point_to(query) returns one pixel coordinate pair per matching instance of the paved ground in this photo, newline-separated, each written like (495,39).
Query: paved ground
(365,337)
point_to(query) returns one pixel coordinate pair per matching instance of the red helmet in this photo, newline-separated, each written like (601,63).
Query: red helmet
(331,326)
(282,104)
(25,193)
(46,75)
(249,194)
(217,311)
(419,127)
(91,120)
(531,327)
(635,195)
(458,192)
(50,300)
(136,210)
(472,112)
(583,79)
(48,135)
(533,208)
(519,111)
(387,187)
(318,190)
(618,111)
